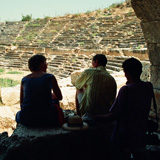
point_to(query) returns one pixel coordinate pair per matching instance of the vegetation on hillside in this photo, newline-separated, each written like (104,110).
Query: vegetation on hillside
(97,13)
(27,17)
(7,82)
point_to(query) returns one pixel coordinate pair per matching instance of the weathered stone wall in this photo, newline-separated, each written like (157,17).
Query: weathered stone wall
(148,11)
(56,143)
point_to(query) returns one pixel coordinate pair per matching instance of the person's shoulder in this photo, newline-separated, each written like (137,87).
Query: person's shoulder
(149,85)
(110,77)
(49,75)
(123,89)
(90,70)
(25,77)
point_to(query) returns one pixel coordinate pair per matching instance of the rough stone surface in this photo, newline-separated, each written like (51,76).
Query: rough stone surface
(155,76)
(154,53)
(75,75)
(151,31)
(68,101)
(145,76)
(7,125)
(149,14)
(146,10)
(10,95)
(56,143)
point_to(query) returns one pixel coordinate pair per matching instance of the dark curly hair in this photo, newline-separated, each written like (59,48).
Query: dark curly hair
(101,58)
(35,62)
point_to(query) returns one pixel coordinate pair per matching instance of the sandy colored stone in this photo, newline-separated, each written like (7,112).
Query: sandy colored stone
(6,112)
(68,101)
(10,95)
(75,75)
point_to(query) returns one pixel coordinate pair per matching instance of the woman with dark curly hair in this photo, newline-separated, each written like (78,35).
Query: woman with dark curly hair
(38,94)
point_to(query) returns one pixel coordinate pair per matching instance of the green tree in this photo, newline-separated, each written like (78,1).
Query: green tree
(27,17)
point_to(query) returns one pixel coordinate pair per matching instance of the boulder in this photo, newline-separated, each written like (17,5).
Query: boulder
(75,75)
(10,95)
(145,76)
(68,101)
(7,125)
(7,119)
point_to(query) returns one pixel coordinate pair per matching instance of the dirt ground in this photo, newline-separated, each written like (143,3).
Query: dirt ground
(16,77)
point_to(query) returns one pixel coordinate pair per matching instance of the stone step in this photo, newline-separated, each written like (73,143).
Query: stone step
(115,64)
(55,63)
(115,61)
(62,75)
(113,68)
(122,57)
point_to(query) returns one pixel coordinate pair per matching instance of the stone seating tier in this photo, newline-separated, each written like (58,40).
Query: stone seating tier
(71,33)
(113,68)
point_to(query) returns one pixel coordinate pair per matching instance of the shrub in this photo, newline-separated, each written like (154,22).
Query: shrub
(81,43)
(6,82)
(14,72)
(1,70)
(27,17)
(47,17)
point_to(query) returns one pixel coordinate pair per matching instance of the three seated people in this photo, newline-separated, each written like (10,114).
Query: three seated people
(96,95)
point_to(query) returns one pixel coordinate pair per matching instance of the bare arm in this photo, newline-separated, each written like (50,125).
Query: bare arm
(56,90)
(77,105)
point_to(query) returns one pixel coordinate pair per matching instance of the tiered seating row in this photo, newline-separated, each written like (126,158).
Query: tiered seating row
(60,65)
(92,33)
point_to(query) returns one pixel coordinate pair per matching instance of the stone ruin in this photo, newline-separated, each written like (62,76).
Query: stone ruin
(104,31)
(32,142)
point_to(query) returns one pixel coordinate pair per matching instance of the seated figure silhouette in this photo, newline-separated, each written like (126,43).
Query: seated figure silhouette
(130,112)
(38,95)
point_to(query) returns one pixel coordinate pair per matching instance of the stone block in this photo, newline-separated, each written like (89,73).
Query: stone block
(39,50)
(55,143)
(151,31)
(2,48)
(154,53)
(155,76)
(146,10)
(74,76)
(10,95)
(157,96)
(145,76)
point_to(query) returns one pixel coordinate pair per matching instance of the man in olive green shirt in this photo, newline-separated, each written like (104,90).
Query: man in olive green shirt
(96,88)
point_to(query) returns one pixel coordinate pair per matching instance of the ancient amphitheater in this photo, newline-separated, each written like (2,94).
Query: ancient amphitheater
(69,42)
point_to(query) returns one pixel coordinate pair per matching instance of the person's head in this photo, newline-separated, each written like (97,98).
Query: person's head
(37,63)
(132,67)
(99,60)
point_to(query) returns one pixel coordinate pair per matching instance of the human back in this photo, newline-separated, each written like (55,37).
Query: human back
(38,90)
(99,88)
(134,112)
(101,92)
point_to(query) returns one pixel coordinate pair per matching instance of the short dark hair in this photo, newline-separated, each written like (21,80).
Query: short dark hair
(101,58)
(133,66)
(35,62)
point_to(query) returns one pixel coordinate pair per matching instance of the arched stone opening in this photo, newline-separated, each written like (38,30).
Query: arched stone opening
(148,11)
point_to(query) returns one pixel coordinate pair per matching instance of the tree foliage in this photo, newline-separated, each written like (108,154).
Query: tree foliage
(27,17)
